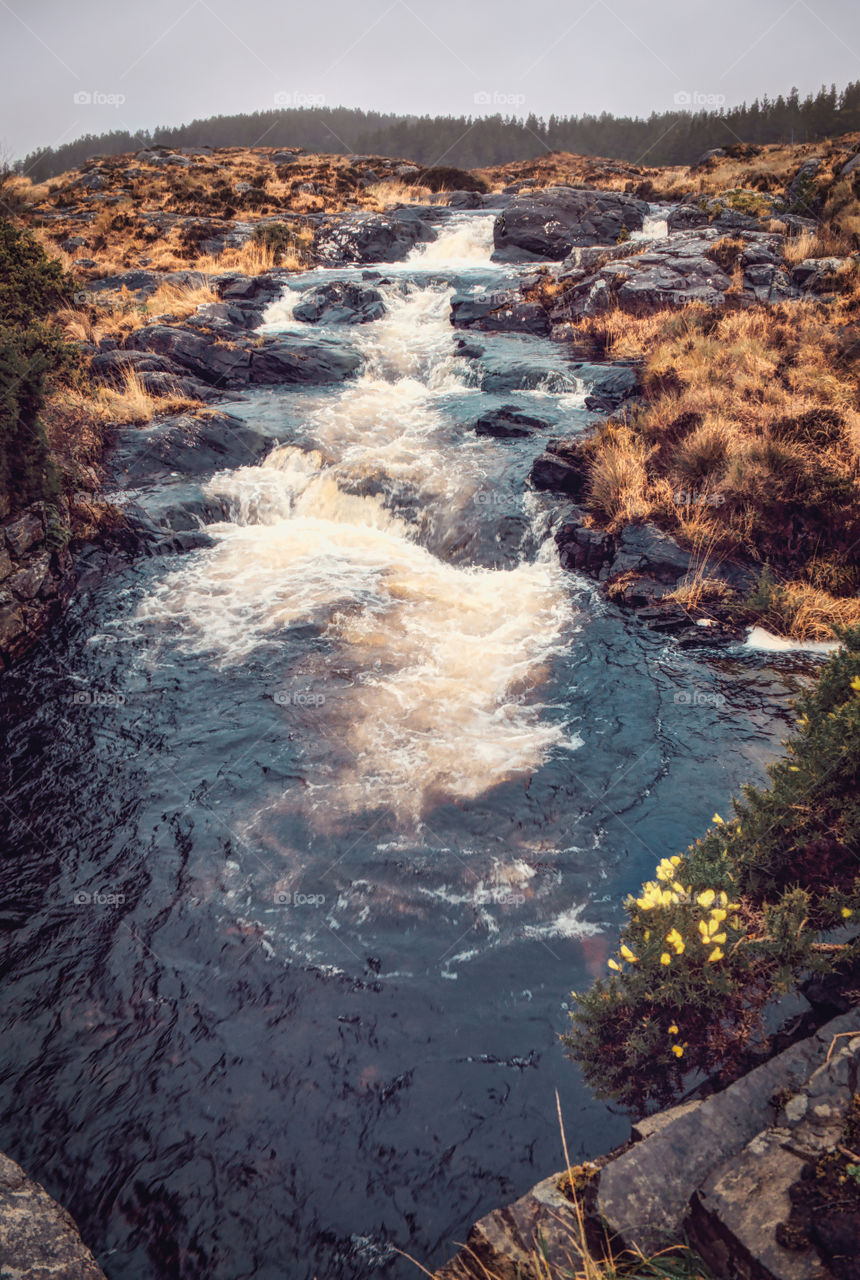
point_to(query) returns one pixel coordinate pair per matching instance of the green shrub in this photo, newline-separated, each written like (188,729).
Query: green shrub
(734,921)
(31,351)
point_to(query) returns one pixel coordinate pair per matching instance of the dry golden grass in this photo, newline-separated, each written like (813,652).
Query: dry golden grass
(181,300)
(130,403)
(803,612)
(619,477)
(385,195)
(747,444)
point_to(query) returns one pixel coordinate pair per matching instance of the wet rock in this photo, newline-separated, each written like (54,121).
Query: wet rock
(340,302)
(645,1193)
(144,283)
(522,376)
(502,312)
(298,359)
(751,1208)
(563,468)
(464,200)
(704,211)
(505,1243)
(673,272)
(583,549)
(373,237)
(30,576)
(217,363)
(548,223)
(610,385)
(508,423)
(38,1238)
(180,508)
(186,444)
(645,549)
(851,167)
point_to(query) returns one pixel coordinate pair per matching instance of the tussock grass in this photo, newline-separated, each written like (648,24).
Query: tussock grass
(130,403)
(747,441)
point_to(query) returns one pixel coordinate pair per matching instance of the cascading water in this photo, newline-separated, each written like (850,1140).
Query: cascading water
(332,814)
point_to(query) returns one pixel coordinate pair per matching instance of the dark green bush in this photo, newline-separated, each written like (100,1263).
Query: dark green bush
(740,916)
(31,351)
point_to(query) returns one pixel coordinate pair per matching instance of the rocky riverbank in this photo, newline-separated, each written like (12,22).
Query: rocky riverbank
(723,1172)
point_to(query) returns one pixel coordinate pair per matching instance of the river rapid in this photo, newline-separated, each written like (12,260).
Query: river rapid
(309,833)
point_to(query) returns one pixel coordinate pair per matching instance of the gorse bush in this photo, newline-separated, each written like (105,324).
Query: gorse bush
(31,350)
(737,918)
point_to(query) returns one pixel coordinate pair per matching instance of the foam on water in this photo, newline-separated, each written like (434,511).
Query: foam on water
(445,660)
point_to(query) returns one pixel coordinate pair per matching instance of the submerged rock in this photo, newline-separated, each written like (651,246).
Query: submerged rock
(38,1238)
(508,423)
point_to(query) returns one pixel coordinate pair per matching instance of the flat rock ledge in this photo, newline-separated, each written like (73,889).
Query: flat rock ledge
(717,1170)
(38,1239)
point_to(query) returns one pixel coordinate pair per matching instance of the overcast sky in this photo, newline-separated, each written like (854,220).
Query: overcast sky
(67,69)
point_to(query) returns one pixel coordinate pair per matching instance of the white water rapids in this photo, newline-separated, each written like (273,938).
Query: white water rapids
(445,660)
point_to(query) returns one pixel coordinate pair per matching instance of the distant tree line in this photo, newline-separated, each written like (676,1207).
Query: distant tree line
(670,137)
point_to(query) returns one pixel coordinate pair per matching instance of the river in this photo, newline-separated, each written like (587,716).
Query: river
(309,833)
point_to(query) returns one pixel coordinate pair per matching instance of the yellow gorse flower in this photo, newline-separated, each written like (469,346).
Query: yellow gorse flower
(675,941)
(716,818)
(716,954)
(613,964)
(665,958)
(673,1030)
(847,913)
(706,899)
(628,954)
(678,1050)
(855,684)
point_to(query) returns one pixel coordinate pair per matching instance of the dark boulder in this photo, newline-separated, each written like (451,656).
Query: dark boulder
(186,444)
(508,423)
(645,549)
(503,312)
(219,363)
(610,385)
(521,376)
(707,211)
(583,549)
(340,302)
(549,223)
(464,200)
(373,237)
(564,468)
(299,359)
